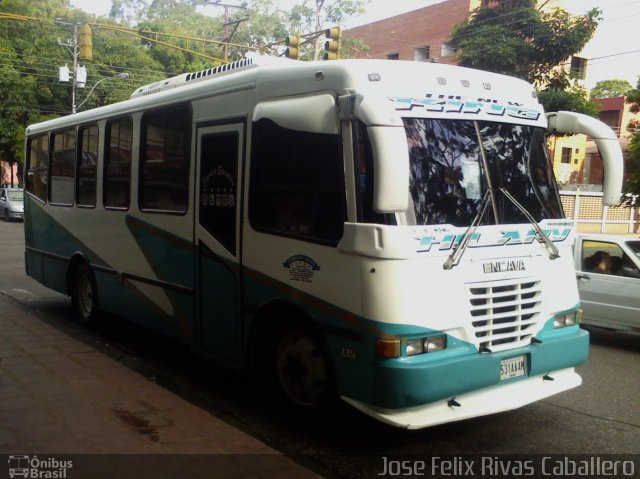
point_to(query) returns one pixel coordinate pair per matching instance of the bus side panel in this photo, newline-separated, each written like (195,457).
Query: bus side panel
(130,300)
(55,274)
(49,246)
(34,266)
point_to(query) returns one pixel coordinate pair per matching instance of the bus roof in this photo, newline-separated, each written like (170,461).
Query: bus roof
(277,77)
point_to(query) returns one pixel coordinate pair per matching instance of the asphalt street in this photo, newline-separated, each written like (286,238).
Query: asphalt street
(600,418)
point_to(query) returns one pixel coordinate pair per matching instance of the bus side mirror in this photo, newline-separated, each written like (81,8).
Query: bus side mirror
(391,168)
(608,145)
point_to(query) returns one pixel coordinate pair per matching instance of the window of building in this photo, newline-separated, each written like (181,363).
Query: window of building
(611,118)
(393,56)
(63,163)
(38,166)
(566,155)
(579,67)
(117,163)
(447,49)
(87,166)
(297,183)
(421,54)
(164,162)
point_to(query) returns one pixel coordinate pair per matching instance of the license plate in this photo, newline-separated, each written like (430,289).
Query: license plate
(512,368)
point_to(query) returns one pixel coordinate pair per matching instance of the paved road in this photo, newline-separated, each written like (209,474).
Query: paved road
(600,417)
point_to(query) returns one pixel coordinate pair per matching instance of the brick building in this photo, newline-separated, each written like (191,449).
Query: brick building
(419,35)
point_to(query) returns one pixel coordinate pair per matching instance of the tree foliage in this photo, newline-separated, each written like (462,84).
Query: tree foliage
(570,99)
(515,38)
(633,149)
(610,88)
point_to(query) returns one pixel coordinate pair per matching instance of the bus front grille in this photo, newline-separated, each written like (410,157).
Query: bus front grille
(504,313)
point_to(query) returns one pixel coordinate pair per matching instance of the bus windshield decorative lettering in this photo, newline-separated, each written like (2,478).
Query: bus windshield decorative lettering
(461,104)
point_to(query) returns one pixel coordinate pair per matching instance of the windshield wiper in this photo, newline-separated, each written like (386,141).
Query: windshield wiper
(551,248)
(454,257)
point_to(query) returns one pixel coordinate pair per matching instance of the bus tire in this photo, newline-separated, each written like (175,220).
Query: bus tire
(301,369)
(84,295)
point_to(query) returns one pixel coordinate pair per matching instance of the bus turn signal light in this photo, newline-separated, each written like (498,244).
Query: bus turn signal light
(388,348)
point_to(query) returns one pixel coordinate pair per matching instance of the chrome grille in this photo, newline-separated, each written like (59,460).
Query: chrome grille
(504,313)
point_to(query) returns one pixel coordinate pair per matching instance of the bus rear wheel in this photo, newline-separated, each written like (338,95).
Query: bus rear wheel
(301,369)
(84,295)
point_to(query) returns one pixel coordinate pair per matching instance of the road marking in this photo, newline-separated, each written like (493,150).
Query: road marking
(22,291)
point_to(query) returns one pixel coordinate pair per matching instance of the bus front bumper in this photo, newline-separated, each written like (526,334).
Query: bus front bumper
(490,400)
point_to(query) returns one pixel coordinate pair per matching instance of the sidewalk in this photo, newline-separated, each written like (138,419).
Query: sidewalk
(61,398)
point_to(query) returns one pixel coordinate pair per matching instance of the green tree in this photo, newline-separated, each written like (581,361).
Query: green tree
(30,90)
(128,11)
(571,99)
(261,24)
(632,184)
(515,38)
(610,88)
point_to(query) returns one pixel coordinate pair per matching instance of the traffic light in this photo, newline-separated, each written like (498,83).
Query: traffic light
(332,45)
(293,47)
(86,43)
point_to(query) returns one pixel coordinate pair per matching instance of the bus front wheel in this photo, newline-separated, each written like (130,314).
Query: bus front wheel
(301,369)
(84,295)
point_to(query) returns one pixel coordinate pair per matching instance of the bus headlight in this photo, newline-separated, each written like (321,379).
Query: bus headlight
(429,344)
(570,318)
(391,348)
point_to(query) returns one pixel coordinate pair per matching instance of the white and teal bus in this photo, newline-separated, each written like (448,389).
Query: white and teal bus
(387,232)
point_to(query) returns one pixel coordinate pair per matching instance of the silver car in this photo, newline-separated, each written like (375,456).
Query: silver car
(608,274)
(12,203)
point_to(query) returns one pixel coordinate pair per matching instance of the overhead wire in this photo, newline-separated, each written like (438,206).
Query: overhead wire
(140,72)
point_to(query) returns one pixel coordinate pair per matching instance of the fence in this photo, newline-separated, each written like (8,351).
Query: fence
(591,216)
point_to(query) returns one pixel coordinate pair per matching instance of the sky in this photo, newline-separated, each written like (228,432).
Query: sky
(613,53)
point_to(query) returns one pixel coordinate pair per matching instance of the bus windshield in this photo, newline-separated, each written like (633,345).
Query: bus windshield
(453,162)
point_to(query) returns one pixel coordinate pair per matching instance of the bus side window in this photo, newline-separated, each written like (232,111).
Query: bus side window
(117,163)
(297,183)
(164,160)
(87,165)
(63,157)
(38,166)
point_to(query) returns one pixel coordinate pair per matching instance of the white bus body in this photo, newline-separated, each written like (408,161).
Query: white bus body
(307,218)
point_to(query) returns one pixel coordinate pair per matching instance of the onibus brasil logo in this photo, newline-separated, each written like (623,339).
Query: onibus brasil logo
(35,468)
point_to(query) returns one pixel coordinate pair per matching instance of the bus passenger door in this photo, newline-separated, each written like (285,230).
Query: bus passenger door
(217,229)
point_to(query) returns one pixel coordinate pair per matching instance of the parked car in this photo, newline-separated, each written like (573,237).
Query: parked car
(12,203)
(608,274)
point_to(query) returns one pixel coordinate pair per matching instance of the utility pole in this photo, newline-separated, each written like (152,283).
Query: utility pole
(72,45)
(82,50)
(227,36)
